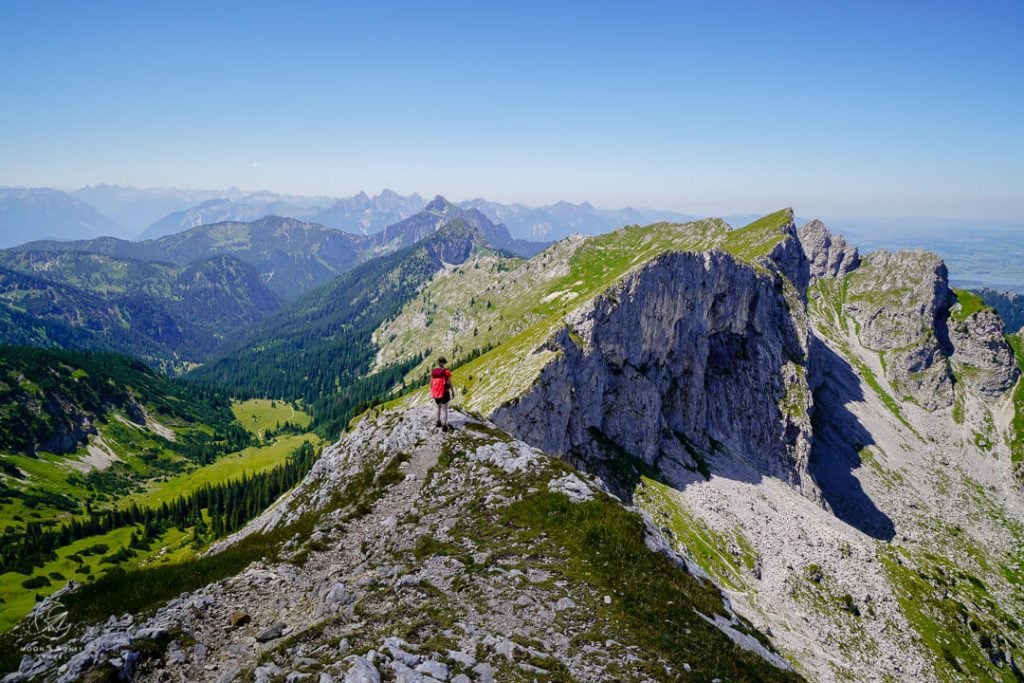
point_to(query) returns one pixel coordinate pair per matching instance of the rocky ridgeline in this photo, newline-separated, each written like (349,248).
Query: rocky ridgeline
(427,573)
(662,366)
(900,303)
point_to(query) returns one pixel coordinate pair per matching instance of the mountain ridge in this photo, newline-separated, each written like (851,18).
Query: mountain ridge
(164,313)
(833,440)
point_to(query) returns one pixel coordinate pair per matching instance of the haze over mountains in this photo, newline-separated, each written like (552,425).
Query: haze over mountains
(983,253)
(27,214)
(135,213)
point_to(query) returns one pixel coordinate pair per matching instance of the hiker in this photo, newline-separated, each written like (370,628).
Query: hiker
(441,391)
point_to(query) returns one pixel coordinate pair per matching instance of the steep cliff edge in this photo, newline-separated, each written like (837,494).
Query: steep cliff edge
(661,365)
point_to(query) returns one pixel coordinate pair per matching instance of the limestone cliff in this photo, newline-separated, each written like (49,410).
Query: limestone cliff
(662,366)
(983,360)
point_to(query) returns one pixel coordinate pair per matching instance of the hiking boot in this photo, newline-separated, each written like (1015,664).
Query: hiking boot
(438,424)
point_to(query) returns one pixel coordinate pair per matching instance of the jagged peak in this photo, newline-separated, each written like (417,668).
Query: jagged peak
(828,255)
(438,204)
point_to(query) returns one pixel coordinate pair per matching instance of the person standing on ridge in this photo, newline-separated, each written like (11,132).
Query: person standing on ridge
(441,391)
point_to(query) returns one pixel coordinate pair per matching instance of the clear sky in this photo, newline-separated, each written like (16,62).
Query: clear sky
(837,108)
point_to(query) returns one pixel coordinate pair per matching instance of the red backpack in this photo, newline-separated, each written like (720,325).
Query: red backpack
(439,382)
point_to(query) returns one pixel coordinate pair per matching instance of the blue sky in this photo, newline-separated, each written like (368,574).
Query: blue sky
(836,108)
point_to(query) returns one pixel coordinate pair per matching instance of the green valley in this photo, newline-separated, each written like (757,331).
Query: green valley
(106,465)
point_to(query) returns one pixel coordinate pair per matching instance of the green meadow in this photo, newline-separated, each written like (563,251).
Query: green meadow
(51,489)
(259,415)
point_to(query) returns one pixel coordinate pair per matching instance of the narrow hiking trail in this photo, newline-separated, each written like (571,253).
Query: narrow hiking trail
(284,600)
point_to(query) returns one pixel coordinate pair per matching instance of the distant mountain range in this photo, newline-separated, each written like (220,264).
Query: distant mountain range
(136,208)
(141,214)
(561,219)
(218,211)
(289,255)
(182,298)
(981,253)
(367,215)
(165,314)
(292,256)
(42,213)
(441,212)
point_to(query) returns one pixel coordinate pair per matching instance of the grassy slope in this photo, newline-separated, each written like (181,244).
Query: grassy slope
(173,546)
(260,414)
(967,304)
(1016,342)
(518,304)
(49,472)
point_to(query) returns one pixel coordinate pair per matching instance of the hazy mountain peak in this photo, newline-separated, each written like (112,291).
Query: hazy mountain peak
(438,204)
(45,213)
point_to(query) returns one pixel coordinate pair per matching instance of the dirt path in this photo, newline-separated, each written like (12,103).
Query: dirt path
(288,595)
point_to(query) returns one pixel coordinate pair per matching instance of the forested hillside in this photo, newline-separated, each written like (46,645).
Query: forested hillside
(52,399)
(165,314)
(290,256)
(319,347)
(106,465)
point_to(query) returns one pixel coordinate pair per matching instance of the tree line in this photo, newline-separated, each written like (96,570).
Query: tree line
(228,506)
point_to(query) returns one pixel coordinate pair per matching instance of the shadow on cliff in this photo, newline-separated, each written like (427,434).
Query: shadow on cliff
(838,439)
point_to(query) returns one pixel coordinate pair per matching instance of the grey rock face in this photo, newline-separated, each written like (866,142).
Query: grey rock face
(332,599)
(828,255)
(272,633)
(896,297)
(984,360)
(899,302)
(662,367)
(362,672)
(789,258)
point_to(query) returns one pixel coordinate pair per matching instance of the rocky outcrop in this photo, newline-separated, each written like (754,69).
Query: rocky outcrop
(983,361)
(828,255)
(662,367)
(1009,305)
(789,259)
(899,303)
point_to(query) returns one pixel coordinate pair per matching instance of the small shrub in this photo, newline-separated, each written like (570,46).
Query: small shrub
(35,582)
